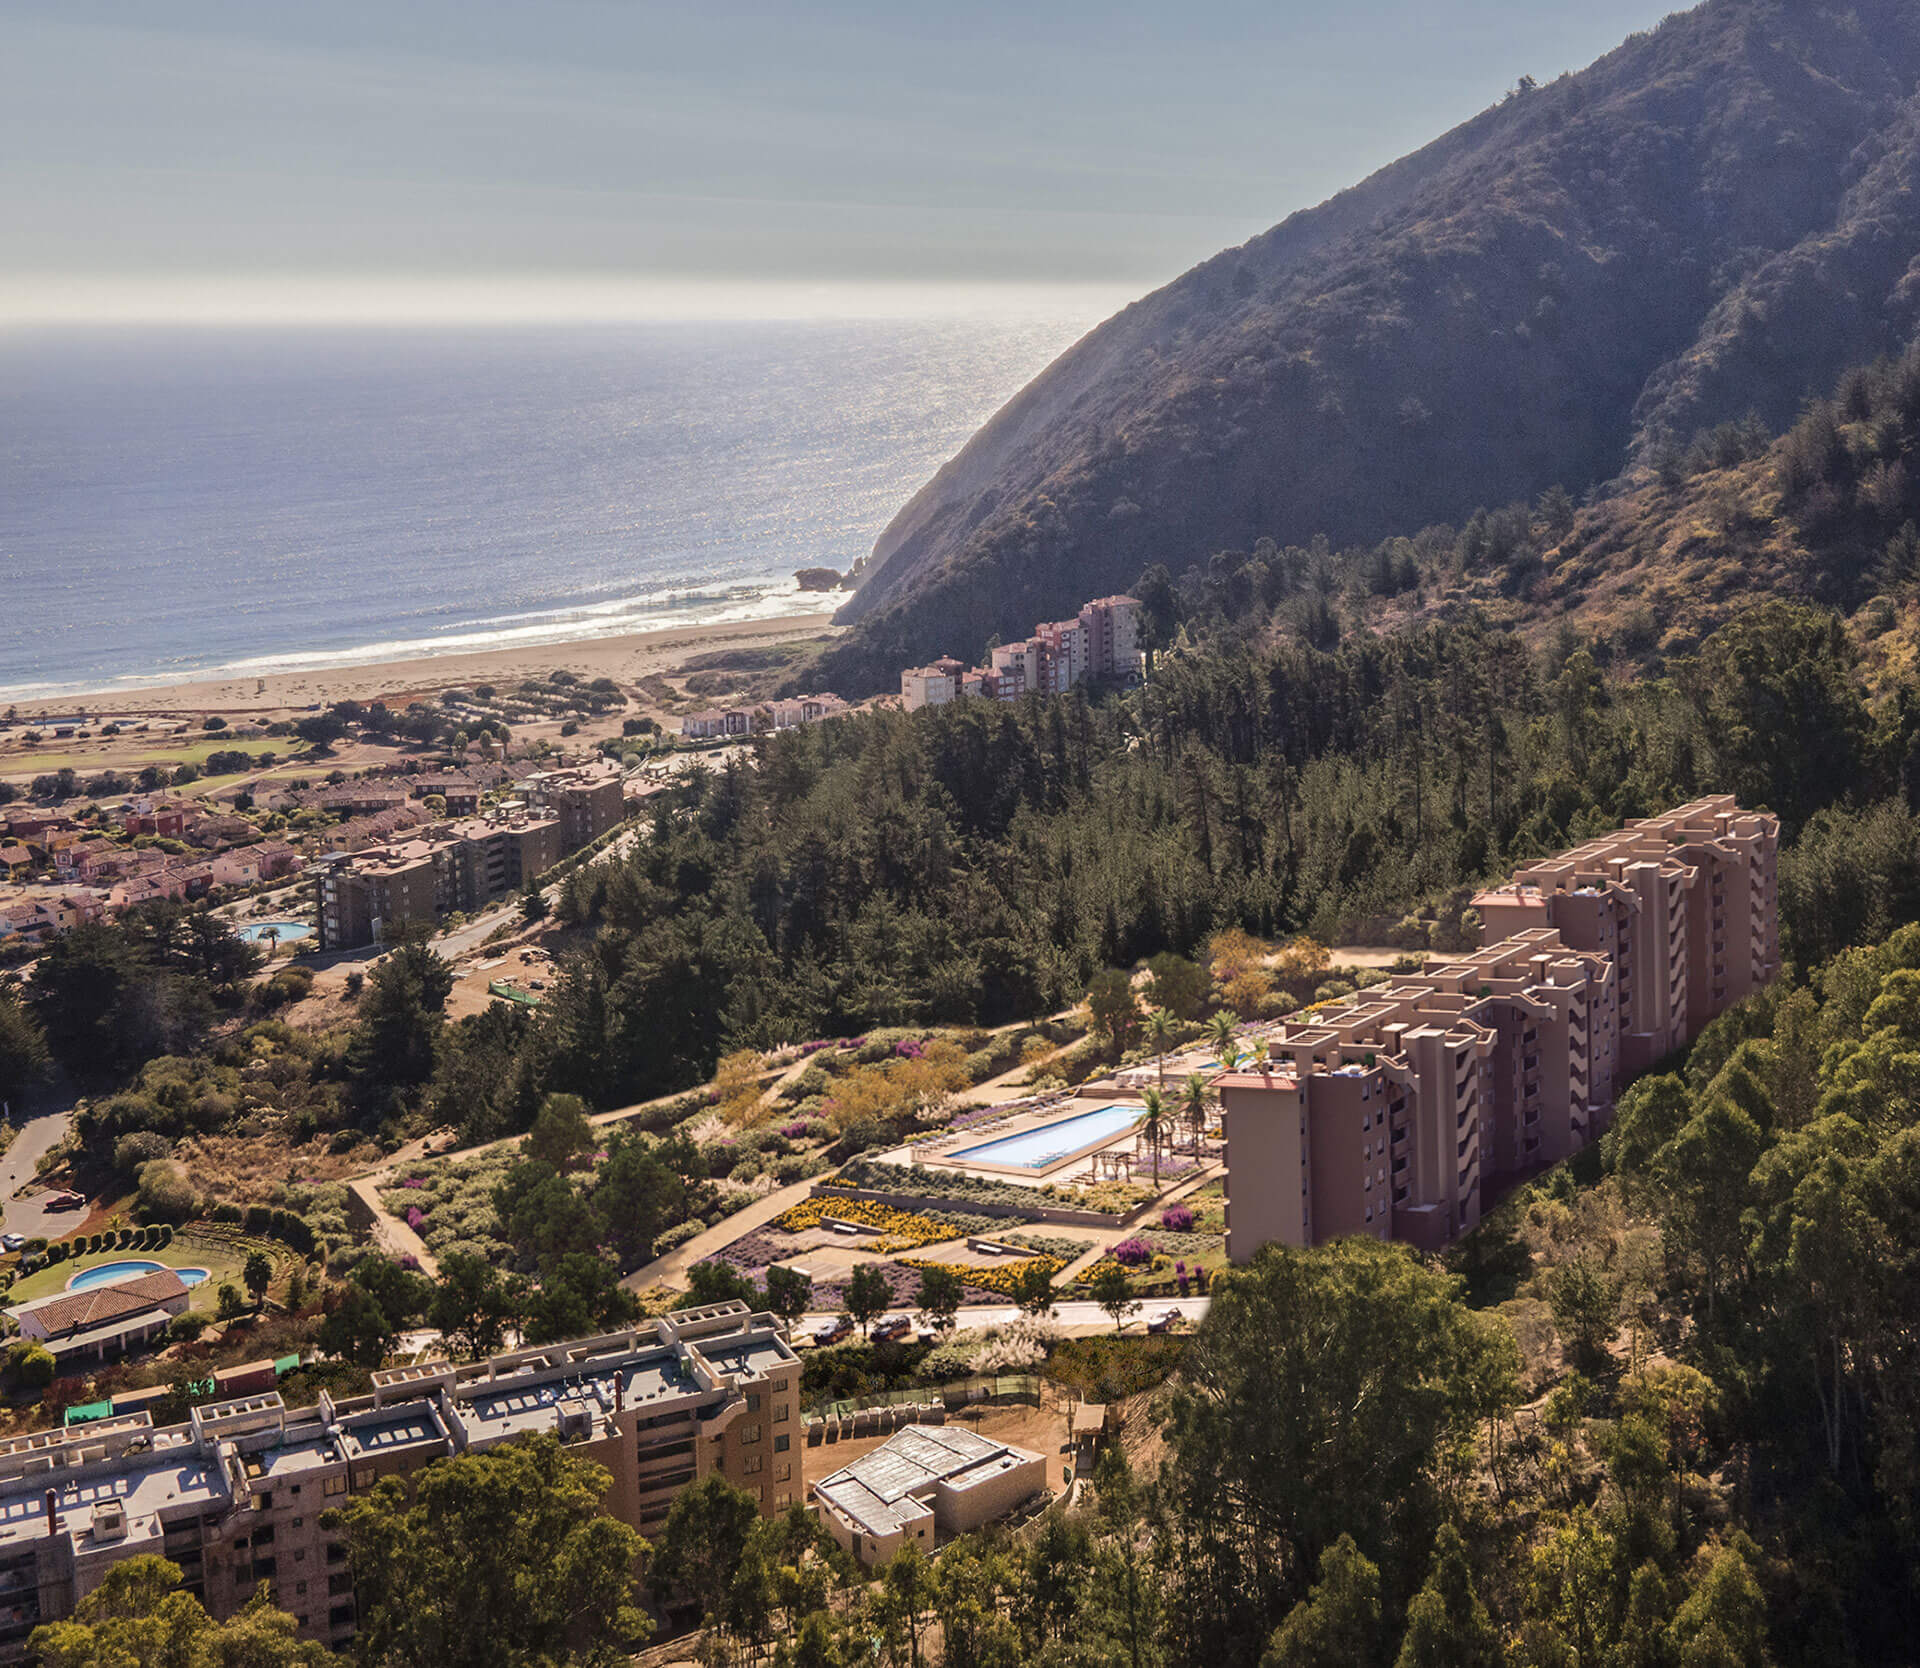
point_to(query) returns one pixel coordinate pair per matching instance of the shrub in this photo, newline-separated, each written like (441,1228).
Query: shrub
(1132,1253)
(31,1365)
(1177,1219)
(165,1193)
(142,1147)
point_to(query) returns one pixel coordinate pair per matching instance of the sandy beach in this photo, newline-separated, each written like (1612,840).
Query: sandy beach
(275,694)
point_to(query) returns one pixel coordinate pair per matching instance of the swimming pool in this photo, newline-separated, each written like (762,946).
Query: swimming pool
(87,1279)
(281,932)
(1038,1149)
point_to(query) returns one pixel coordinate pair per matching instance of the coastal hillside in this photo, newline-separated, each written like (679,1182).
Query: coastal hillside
(1715,219)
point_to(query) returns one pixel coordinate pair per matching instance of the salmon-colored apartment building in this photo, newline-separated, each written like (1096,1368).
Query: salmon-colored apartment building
(1387,1114)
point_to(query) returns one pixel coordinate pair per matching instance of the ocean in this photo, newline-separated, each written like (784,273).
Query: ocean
(193,501)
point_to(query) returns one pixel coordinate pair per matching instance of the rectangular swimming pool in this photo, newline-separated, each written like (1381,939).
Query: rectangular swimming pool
(1037,1149)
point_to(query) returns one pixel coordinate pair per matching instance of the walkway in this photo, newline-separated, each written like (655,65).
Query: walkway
(390,1234)
(1077,1317)
(1112,1236)
(757,1215)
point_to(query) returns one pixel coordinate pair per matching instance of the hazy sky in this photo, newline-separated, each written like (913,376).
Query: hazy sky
(153,140)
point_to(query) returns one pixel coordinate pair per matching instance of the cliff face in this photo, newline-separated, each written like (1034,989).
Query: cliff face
(1715,218)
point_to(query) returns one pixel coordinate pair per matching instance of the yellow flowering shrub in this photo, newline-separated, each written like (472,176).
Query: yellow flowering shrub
(997,1277)
(898,1230)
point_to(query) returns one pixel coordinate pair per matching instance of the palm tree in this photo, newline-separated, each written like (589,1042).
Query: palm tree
(1196,1103)
(1160,1026)
(1154,1127)
(1221,1029)
(1260,1055)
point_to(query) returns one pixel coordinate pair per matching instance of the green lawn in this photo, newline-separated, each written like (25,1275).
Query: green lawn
(130,754)
(222,1263)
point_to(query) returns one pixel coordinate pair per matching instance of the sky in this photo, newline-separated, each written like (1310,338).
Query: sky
(563,154)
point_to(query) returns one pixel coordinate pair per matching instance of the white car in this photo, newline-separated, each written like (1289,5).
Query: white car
(12,1242)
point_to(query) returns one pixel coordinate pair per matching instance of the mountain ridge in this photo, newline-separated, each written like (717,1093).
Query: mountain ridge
(1718,215)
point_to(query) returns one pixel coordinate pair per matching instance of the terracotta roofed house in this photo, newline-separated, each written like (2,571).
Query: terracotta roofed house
(105,1319)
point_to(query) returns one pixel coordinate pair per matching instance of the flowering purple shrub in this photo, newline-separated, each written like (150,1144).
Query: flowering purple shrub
(1131,1253)
(415,1181)
(416,1218)
(409,1261)
(802,1129)
(908,1049)
(752,1252)
(1177,1219)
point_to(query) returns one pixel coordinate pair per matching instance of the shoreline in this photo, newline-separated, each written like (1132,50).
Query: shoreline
(626,658)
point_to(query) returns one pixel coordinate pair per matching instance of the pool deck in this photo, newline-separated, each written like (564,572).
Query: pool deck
(947,1152)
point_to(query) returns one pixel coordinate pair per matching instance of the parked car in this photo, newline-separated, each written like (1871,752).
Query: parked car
(67,1201)
(12,1242)
(893,1326)
(832,1331)
(1165,1323)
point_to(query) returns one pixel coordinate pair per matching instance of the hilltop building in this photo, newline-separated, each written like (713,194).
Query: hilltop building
(235,1494)
(1101,641)
(1388,1113)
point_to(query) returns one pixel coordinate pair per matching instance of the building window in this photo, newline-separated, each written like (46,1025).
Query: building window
(300,1589)
(750,1434)
(783,1472)
(753,1465)
(753,1401)
(336,1485)
(781,1443)
(363,1476)
(779,1384)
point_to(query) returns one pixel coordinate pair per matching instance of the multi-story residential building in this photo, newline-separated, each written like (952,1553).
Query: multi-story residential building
(1367,1119)
(365,896)
(1387,1114)
(495,859)
(1686,905)
(589,800)
(717,721)
(1112,626)
(1018,667)
(235,1495)
(932,685)
(1063,654)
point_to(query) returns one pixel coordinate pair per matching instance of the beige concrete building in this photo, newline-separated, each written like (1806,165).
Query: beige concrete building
(589,800)
(363,897)
(932,685)
(1388,1113)
(922,1485)
(1112,627)
(495,859)
(235,1494)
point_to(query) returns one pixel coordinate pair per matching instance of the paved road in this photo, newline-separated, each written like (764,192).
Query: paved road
(25,1216)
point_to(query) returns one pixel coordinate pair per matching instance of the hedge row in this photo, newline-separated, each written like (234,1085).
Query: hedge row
(125,1239)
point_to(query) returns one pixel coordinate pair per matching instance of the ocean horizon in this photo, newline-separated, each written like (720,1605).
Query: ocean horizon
(185,502)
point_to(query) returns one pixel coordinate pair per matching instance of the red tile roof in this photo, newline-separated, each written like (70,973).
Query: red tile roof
(107,1303)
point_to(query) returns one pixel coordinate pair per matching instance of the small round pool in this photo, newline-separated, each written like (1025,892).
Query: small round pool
(87,1279)
(277,932)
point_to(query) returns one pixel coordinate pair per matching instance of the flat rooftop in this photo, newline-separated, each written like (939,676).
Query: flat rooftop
(880,1491)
